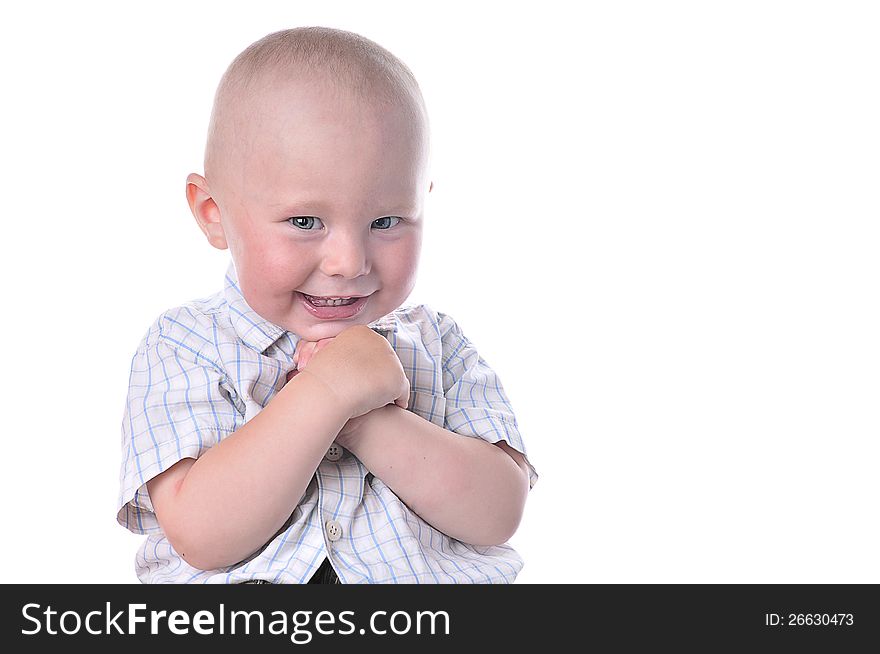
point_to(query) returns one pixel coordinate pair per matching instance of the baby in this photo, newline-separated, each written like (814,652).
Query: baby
(304,425)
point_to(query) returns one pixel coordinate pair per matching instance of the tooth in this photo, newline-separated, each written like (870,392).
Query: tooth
(334,302)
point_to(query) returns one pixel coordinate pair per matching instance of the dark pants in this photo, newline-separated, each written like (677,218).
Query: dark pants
(323,575)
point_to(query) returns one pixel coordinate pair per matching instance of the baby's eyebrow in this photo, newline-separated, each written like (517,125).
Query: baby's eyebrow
(300,205)
(308,208)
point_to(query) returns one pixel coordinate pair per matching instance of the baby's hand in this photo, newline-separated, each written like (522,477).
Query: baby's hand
(305,350)
(360,367)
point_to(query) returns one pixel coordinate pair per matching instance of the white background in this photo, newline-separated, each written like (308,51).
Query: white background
(657,221)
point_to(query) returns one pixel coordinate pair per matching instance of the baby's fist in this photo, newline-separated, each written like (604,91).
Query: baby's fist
(305,350)
(360,367)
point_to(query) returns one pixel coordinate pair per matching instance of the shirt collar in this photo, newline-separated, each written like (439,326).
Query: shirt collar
(258,333)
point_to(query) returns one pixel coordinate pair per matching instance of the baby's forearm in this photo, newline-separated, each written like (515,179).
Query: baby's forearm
(237,495)
(467,488)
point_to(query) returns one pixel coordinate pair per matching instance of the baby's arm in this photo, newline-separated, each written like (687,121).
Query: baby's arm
(465,487)
(220,508)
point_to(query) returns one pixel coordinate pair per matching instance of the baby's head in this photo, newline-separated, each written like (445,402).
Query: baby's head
(316,172)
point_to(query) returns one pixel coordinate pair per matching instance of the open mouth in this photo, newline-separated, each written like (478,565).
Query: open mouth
(336,308)
(331,301)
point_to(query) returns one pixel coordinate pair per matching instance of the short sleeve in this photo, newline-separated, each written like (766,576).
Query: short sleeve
(476,404)
(178,406)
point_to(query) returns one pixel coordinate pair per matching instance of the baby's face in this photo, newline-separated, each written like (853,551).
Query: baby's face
(325,198)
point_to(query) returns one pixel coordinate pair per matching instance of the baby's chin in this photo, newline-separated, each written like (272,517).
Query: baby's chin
(327,330)
(312,331)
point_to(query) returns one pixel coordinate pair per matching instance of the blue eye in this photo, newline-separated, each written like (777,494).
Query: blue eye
(384,224)
(311,223)
(304,222)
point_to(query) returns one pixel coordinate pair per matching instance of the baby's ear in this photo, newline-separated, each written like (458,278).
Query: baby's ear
(205,210)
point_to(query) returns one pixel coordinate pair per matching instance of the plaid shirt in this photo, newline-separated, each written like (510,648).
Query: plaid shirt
(204,369)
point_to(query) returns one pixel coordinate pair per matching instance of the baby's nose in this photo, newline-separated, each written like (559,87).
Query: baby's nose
(345,257)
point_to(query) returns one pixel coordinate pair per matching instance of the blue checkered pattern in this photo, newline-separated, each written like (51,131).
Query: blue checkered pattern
(204,369)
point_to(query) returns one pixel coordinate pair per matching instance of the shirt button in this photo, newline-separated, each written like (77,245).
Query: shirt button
(334,530)
(334,453)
